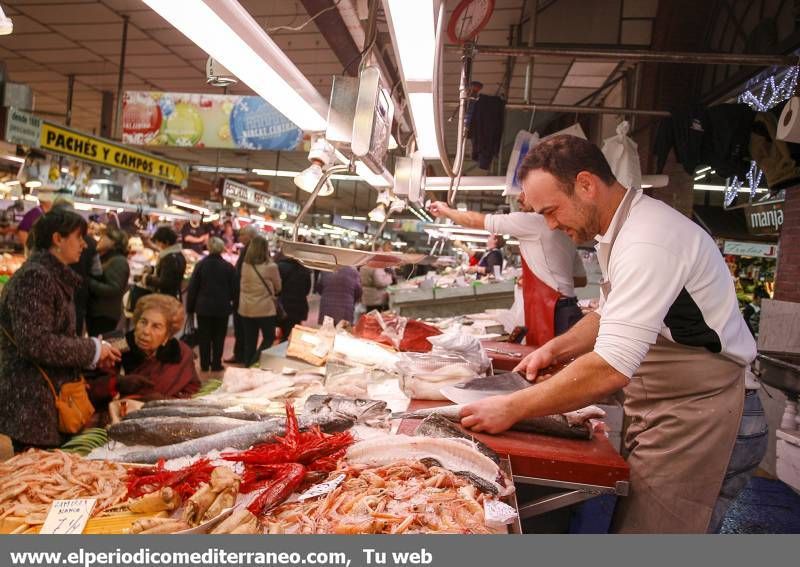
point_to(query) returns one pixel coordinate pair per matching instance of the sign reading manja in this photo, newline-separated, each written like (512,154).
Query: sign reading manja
(764,219)
(206,121)
(246,194)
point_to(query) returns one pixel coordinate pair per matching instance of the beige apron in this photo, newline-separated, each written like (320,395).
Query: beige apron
(683,407)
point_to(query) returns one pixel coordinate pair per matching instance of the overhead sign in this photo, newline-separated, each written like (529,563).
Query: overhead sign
(246,194)
(206,121)
(24,128)
(765,219)
(750,249)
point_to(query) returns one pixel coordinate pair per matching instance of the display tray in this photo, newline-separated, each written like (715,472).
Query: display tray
(328,258)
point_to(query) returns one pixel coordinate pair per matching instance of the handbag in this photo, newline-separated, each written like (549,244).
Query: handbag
(190,332)
(280,312)
(72,400)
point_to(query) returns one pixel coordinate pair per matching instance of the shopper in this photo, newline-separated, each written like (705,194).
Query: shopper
(171,265)
(551,266)
(37,334)
(245,236)
(107,290)
(195,234)
(211,295)
(669,335)
(374,282)
(259,289)
(493,258)
(30,217)
(157,365)
(339,291)
(229,237)
(296,284)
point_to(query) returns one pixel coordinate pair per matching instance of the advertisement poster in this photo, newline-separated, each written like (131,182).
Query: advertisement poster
(206,121)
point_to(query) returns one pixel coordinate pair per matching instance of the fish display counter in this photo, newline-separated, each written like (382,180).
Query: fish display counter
(452,301)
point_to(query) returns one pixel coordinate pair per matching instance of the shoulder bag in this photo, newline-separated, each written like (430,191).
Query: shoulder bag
(280,312)
(72,401)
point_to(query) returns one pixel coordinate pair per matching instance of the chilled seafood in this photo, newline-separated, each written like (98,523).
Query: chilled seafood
(456,455)
(363,411)
(437,426)
(161,431)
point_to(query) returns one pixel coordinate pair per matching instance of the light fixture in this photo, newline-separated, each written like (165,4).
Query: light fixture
(467,183)
(220,169)
(413,29)
(283,216)
(6,25)
(384,198)
(721,188)
(378,214)
(33,184)
(236,204)
(397,206)
(9,157)
(321,156)
(228,33)
(191,206)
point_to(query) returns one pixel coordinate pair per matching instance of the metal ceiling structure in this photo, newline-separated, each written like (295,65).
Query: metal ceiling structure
(568,60)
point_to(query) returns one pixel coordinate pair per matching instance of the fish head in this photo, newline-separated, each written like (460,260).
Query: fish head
(357,409)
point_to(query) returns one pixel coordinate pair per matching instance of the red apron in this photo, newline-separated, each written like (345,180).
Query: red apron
(540,308)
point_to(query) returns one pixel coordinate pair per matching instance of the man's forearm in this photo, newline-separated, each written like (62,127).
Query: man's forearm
(578,340)
(584,382)
(466,219)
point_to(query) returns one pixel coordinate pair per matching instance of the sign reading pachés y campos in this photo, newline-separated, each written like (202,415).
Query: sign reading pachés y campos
(246,194)
(26,129)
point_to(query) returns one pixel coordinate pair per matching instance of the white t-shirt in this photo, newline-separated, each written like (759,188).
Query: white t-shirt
(667,277)
(550,254)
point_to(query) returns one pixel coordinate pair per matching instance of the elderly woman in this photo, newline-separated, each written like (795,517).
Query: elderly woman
(106,291)
(157,365)
(213,292)
(37,336)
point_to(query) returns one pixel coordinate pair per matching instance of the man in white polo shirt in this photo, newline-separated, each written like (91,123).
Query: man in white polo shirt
(550,264)
(669,333)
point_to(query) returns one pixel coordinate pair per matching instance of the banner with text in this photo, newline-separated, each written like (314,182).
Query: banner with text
(206,121)
(246,194)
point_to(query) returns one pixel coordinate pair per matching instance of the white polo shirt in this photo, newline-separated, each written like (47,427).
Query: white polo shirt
(667,277)
(550,254)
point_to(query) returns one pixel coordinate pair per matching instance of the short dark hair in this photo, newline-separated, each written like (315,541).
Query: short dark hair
(165,235)
(119,238)
(59,220)
(499,240)
(564,157)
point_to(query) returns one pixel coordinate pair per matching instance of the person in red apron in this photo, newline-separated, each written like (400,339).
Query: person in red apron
(549,268)
(669,334)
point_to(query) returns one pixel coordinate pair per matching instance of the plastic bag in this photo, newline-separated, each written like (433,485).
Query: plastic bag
(622,155)
(454,341)
(423,375)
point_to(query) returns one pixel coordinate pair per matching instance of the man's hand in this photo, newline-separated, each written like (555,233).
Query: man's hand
(131,384)
(491,415)
(536,361)
(439,209)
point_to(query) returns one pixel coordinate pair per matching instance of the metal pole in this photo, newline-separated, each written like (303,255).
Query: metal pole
(70,91)
(320,184)
(438,103)
(531,43)
(580,109)
(120,79)
(640,56)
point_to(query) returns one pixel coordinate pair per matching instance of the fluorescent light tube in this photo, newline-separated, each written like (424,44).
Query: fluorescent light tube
(229,34)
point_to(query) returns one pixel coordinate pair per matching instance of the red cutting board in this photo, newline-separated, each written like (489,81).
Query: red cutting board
(541,456)
(503,361)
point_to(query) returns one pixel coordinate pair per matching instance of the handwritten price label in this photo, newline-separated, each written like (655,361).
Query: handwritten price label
(67,517)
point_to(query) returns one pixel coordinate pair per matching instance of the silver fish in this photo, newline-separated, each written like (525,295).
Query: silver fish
(239,438)
(436,425)
(553,425)
(161,431)
(369,412)
(506,382)
(199,411)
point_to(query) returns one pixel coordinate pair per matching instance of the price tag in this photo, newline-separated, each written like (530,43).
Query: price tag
(68,516)
(321,488)
(310,339)
(497,513)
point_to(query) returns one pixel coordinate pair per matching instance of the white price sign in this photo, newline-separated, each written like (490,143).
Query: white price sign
(67,517)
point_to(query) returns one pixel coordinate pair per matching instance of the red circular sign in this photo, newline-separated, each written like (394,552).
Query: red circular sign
(468,19)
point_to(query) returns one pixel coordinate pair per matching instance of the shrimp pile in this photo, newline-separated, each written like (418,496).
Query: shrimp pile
(403,497)
(30,481)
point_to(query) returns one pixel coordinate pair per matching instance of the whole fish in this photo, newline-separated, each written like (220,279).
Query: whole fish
(239,438)
(456,455)
(234,412)
(436,425)
(369,412)
(554,425)
(161,431)
(201,401)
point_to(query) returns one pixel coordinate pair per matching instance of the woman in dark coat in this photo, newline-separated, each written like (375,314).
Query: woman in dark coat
(296,279)
(339,291)
(37,316)
(213,291)
(106,291)
(171,266)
